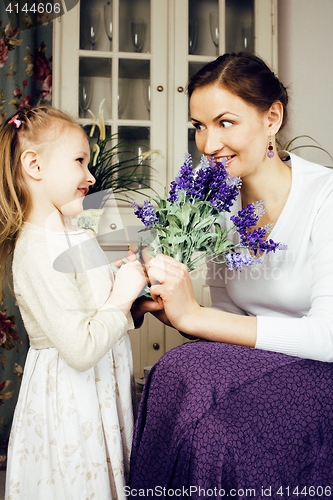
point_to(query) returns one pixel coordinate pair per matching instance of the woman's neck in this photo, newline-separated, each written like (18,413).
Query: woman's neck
(271,185)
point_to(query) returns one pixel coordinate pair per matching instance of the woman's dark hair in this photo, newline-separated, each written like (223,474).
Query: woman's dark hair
(246,76)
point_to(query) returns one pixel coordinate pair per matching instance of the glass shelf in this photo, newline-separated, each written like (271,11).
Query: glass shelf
(192,148)
(96,16)
(199,38)
(134,26)
(138,139)
(239,25)
(94,81)
(134,89)
(207,38)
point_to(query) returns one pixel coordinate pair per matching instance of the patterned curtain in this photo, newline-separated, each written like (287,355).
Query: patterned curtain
(25,58)
(25,80)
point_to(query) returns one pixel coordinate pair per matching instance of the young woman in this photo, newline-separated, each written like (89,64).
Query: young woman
(72,428)
(286,304)
(230,413)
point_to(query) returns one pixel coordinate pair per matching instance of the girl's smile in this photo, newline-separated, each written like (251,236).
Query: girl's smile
(84,190)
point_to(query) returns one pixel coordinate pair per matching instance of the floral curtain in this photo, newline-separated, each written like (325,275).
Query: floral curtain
(13,350)
(25,80)
(25,59)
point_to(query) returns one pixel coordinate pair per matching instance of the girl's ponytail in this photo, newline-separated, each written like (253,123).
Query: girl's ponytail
(14,197)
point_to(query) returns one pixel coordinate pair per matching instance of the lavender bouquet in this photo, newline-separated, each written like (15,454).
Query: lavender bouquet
(181,225)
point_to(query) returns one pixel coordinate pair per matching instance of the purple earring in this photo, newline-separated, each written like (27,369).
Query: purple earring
(270,152)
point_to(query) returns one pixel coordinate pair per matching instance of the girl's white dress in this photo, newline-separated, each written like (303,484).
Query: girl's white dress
(73,423)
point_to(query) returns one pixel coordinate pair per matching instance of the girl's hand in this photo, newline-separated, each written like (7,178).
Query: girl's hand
(129,283)
(171,282)
(142,305)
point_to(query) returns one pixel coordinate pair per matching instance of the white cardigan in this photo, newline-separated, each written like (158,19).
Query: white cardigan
(291,292)
(61,283)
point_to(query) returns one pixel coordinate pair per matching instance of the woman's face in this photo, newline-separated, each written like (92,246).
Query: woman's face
(227,127)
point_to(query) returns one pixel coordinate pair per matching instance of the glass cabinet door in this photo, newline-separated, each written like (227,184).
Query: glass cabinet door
(134,26)
(215,27)
(120,30)
(117,59)
(239,25)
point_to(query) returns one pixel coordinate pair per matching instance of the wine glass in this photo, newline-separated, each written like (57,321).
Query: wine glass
(141,166)
(108,21)
(192,36)
(214,28)
(122,96)
(146,93)
(247,36)
(138,33)
(93,22)
(85,93)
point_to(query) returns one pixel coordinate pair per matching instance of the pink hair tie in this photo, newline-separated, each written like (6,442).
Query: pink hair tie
(16,121)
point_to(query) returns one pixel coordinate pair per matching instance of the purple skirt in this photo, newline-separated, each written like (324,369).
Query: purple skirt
(225,421)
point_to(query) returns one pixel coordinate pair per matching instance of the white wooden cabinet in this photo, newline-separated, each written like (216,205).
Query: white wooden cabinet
(145,101)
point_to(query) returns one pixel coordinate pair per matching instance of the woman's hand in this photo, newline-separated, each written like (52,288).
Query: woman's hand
(171,282)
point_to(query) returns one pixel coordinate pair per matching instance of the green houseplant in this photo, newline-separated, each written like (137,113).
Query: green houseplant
(294,144)
(118,171)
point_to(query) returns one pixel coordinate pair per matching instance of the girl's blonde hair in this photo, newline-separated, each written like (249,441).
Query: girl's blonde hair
(36,127)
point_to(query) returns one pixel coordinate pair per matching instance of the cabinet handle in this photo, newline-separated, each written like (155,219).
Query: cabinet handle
(156,346)
(160,88)
(113,226)
(180,89)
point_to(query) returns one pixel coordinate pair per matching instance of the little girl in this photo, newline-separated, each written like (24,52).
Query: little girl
(72,428)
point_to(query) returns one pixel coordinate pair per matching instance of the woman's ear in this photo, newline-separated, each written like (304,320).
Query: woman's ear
(29,160)
(275,117)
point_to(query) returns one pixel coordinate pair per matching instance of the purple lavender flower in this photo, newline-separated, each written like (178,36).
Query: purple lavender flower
(248,217)
(184,179)
(238,260)
(146,213)
(234,181)
(245,219)
(260,208)
(210,183)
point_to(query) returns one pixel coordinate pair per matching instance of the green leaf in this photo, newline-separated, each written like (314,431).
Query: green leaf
(207,222)
(204,238)
(178,239)
(196,215)
(186,210)
(174,220)
(220,217)
(224,247)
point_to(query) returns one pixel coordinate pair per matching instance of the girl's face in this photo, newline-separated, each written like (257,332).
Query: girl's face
(66,178)
(227,127)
